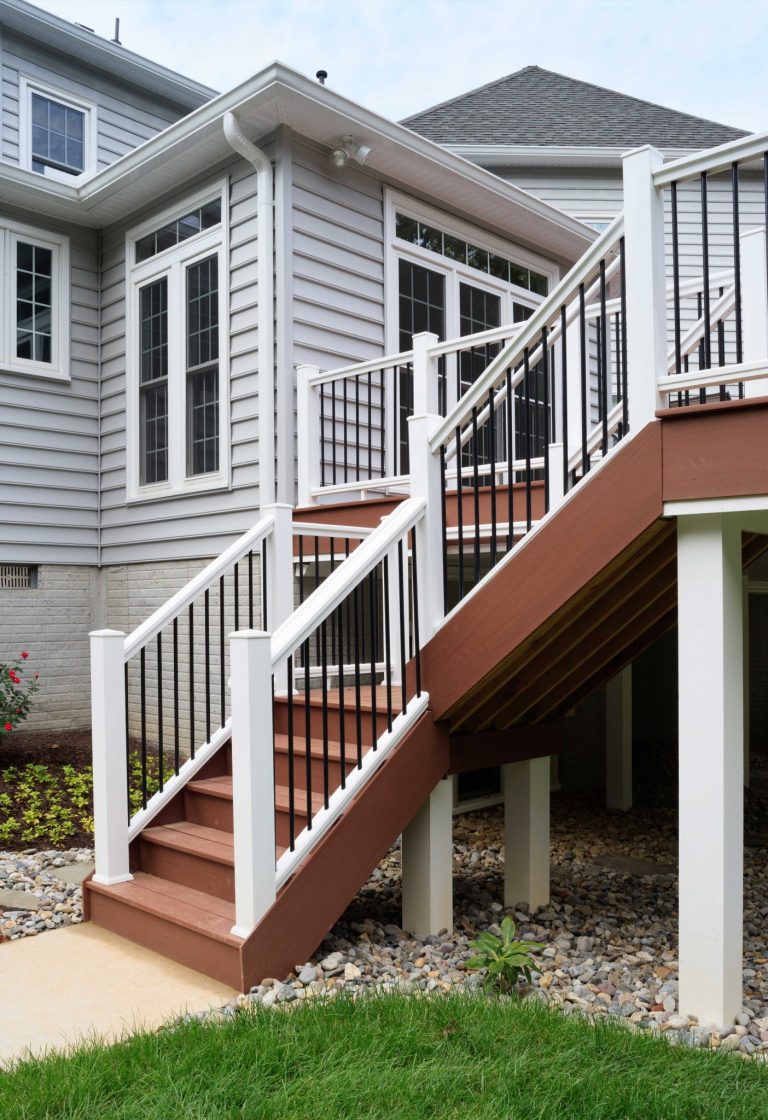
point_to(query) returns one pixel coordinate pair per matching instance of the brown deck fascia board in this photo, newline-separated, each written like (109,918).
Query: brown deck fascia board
(716,451)
(619,503)
(478,750)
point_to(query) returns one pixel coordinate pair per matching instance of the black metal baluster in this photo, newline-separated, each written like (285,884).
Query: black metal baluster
(476,493)
(207,614)
(460,511)
(564,395)
(127,738)
(317,584)
(160,759)
(604,357)
(346,442)
(333,429)
(373,605)
(322,434)
(527,419)
(510,460)
(236,579)
(547,435)
(342,716)
(397,465)
(357,630)
(191,681)
(357,428)
(334,659)
(250,592)
(264,587)
(401,588)
(705,270)
(222,645)
(387,646)
(702,347)
(370,427)
(291,781)
(143,701)
(301,569)
(492,450)
(584,385)
(416,639)
(307,736)
(324,694)
(444,511)
(176,752)
(737,262)
(624,374)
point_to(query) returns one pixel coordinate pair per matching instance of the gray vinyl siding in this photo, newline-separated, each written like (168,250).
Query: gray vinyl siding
(49,435)
(191,525)
(125,117)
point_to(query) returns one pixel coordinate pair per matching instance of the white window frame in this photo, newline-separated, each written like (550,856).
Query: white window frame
(455,272)
(28,86)
(58,368)
(589,216)
(173,262)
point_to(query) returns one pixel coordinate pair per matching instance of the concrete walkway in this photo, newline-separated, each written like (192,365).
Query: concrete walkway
(80,981)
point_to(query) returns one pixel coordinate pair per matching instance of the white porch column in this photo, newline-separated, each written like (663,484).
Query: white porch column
(253,778)
(745,647)
(427,865)
(754,305)
(526,832)
(618,741)
(309,434)
(711,708)
(280,568)
(646,285)
(110,771)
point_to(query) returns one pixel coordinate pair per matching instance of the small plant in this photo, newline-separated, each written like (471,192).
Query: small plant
(15,693)
(505,959)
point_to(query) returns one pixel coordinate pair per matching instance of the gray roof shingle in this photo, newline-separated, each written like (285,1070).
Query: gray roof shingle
(538,107)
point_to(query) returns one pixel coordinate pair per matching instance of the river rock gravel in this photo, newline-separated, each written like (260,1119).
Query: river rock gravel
(51,899)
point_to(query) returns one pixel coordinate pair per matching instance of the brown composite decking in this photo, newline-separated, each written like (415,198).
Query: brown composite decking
(560,616)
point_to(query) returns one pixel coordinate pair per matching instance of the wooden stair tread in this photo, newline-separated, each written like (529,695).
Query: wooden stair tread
(222,787)
(175,903)
(366,698)
(194,839)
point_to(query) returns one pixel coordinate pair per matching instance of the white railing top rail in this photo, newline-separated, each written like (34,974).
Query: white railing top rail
(714,377)
(152,626)
(529,335)
(334,590)
(719,311)
(318,529)
(712,160)
(471,341)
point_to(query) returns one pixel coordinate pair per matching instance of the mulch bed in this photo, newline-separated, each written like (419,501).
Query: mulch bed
(54,749)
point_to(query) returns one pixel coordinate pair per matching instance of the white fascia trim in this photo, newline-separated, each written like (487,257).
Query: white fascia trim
(688,507)
(550,155)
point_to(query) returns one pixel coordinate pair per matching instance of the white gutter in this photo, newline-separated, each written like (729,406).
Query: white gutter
(240,143)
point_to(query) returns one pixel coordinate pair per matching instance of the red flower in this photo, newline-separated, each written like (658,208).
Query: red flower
(24,654)
(9,727)
(37,676)
(13,676)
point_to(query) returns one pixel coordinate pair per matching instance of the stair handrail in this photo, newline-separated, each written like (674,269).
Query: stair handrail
(296,629)
(173,607)
(713,160)
(513,352)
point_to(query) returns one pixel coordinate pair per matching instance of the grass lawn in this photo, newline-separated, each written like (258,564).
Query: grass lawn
(389,1057)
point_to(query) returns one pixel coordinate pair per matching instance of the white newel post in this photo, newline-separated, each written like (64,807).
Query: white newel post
(308,434)
(110,771)
(526,831)
(646,285)
(754,305)
(426,394)
(711,709)
(425,483)
(253,781)
(279,553)
(618,741)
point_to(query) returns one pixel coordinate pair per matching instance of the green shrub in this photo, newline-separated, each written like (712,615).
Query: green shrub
(507,961)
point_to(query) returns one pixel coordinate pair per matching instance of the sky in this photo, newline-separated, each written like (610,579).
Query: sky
(705,57)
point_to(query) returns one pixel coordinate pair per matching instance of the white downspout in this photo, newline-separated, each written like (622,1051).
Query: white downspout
(240,143)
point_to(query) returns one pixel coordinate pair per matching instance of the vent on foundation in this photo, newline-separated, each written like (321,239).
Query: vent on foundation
(18,577)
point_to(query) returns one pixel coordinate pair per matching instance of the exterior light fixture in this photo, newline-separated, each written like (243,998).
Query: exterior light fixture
(349,149)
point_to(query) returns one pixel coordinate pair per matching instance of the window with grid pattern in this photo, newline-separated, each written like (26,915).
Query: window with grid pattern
(202,367)
(153,382)
(58,136)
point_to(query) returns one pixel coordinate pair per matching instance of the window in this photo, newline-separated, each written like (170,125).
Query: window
(58,132)
(597,222)
(34,301)
(176,371)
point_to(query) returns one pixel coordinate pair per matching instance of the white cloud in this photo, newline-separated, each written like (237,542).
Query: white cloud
(398,56)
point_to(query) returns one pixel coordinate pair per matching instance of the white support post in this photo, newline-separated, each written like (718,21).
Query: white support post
(253,780)
(427,865)
(425,483)
(618,741)
(280,571)
(646,285)
(754,305)
(745,647)
(426,394)
(110,769)
(309,434)
(526,832)
(711,821)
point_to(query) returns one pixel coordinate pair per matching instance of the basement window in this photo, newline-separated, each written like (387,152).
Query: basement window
(18,577)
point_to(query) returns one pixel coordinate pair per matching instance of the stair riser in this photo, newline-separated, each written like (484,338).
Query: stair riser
(185,946)
(300,769)
(334,723)
(213,812)
(190,870)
